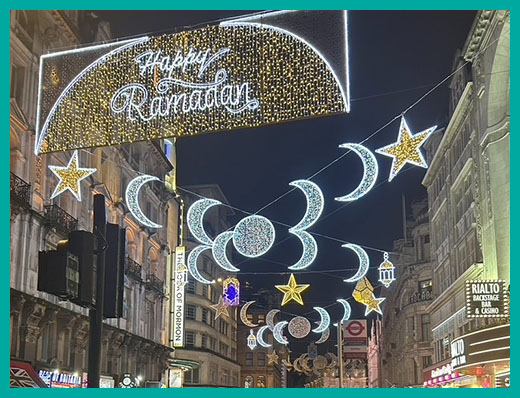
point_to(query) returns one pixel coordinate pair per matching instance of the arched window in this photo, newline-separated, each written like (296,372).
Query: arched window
(131,245)
(248,383)
(152,261)
(260,382)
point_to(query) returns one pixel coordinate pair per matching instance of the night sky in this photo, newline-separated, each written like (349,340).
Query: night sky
(395,58)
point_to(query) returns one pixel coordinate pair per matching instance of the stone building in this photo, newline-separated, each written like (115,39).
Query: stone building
(468,190)
(256,371)
(210,345)
(50,334)
(406,341)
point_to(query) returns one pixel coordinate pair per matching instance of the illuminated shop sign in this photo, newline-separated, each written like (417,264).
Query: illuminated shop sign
(486,299)
(485,346)
(238,74)
(180,276)
(60,380)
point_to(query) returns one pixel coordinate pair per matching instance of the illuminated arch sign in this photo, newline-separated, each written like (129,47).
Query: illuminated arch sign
(242,73)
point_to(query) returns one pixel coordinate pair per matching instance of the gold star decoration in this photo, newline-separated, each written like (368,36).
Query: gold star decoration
(220,308)
(406,149)
(70,177)
(364,293)
(272,358)
(292,291)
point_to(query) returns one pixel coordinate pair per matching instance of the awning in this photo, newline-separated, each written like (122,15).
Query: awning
(24,376)
(183,364)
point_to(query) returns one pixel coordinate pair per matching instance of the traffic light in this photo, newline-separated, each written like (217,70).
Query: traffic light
(114,271)
(58,273)
(82,244)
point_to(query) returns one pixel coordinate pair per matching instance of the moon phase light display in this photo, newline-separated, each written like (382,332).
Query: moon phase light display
(70,177)
(364,262)
(346,309)
(299,327)
(219,251)
(269,318)
(325,320)
(278,332)
(260,336)
(369,172)
(253,236)
(243,315)
(192,264)
(324,336)
(195,216)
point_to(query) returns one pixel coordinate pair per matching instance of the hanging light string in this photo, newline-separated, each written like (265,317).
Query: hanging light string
(333,161)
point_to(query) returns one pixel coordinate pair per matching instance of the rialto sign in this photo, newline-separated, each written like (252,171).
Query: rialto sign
(486,299)
(241,73)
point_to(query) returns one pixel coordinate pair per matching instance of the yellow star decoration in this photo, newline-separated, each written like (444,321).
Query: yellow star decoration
(292,291)
(364,293)
(70,177)
(220,308)
(272,358)
(406,149)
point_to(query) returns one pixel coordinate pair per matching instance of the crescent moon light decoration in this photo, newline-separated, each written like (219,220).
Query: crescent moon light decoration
(277,332)
(132,199)
(325,320)
(369,174)
(315,202)
(219,251)
(364,262)
(324,336)
(347,309)
(253,236)
(260,337)
(269,318)
(192,264)
(296,365)
(194,219)
(333,359)
(243,315)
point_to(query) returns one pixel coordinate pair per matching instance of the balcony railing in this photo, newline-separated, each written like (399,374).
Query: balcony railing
(155,283)
(20,191)
(59,218)
(133,269)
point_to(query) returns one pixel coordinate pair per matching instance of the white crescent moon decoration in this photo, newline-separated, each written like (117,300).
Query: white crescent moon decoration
(369,174)
(325,320)
(194,219)
(192,264)
(347,309)
(315,203)
(253,236)
(364,262)
(132,199)
(219,251)
(324,337)
(260,337)
(278,332)
(243,315)
(310,250)
(269,318)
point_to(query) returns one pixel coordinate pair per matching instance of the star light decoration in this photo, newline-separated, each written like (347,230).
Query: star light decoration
(292,291)
(364,293)
(70,177)
(272,358)
(406,149)
(220,308)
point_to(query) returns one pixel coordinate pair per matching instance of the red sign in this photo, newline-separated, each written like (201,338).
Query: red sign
(355,328)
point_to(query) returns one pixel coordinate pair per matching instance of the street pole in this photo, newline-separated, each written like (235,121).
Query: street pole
(96,311)
(340,353)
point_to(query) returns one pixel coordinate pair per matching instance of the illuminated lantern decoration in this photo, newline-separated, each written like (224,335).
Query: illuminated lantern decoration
(386,271)
(231,292)
(251,340)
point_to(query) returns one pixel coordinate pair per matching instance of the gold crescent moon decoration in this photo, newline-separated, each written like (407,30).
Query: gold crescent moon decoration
(243,315)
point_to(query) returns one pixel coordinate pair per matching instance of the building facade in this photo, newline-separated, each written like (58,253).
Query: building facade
(406,341)
(50,334)
(375,373)
(468,189)
(256,371)
(210,343)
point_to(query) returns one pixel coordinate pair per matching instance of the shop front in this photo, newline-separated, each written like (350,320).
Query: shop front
(484,355)
(59,379)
